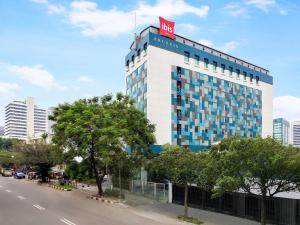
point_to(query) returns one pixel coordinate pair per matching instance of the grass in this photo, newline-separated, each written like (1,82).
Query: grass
(64,186)
(190,219)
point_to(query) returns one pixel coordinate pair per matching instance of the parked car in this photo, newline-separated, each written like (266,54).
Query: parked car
(19,175)
(32,175)
(7,173)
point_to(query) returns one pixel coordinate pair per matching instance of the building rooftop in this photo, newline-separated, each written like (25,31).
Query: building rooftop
(205,48)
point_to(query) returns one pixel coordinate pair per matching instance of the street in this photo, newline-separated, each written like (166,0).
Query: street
(23,202)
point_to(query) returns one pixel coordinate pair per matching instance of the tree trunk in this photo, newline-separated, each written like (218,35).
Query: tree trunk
(99,185)
(99,178)
(120,183)
(263,209)
(186,193)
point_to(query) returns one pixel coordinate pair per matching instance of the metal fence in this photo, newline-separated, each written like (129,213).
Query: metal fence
(281,211)
(158,191)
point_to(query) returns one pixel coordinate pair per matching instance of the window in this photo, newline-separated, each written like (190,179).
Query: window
(238,72)
(179,70)
(127,63)
(197,59)
(187,114)
(178,128)
(186,56)
(230,70)
(215,64)
(187,100)
(178,85)
(179,100)
(178,141)
(138,53)
(222,68)
(245,75)
(186,128)
(178,113)
(206,62)
(145,47)
(257,79)
(196,129)
(132,58)
(251,77)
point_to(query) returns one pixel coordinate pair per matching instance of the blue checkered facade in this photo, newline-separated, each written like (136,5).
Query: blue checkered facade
(206,109)
(136,84)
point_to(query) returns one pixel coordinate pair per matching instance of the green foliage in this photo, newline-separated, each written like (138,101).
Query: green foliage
(97,130)
(9,158)
(9,144)
(258,166)
(190,219)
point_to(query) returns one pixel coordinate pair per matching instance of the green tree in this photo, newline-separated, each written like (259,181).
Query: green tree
(93,128)
(39,156)
(257,166)
(181,165)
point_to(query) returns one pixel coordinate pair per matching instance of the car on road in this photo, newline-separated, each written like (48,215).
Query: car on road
(6,173)
(19,175)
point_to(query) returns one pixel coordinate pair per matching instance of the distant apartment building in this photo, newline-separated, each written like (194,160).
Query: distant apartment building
(281,130)
(24,120)
(296,133)
(1,131)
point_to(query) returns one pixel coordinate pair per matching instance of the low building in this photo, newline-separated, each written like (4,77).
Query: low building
(281,130)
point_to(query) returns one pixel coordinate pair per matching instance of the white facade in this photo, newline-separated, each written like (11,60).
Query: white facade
(24,120)
(158,96)
(296,133)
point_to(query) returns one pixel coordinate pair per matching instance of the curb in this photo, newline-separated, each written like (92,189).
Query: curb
(60,188)
(102,200)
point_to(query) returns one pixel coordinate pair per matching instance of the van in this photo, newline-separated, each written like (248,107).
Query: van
(7,173)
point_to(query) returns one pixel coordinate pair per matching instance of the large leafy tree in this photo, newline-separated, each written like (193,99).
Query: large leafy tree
(94,129)
(257,166)
(39,156)
(181,165)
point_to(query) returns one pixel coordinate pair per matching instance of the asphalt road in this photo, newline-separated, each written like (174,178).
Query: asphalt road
(23,202)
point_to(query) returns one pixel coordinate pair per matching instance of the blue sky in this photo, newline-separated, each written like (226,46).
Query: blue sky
(58,51)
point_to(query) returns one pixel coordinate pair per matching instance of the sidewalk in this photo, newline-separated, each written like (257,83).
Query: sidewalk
(162,211)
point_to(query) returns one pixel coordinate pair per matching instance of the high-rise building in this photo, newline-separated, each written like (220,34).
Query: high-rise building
(194,94)
(1,131)
(296,133)
(24,120)
(281,130)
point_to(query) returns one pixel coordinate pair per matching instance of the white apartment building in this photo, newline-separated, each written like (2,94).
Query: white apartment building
(296,133)
(24,120)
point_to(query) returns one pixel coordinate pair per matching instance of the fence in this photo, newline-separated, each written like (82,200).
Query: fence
(158,191)
(281,211)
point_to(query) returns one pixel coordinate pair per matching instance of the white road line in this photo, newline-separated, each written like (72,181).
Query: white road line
(8,191)
(39,207)
(21,197)
(64,220)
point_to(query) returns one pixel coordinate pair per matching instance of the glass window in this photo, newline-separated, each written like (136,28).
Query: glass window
(197,59)
(178,85)
(206,62)
(238,72)
(230,70)
(196,129)
(257,79)
(179,100)
(186,56)
(186,128)
(138,53)
(145,46)
(132,58)
(178,113)
(245,75)
(222,68)
(215,64)
(127,63)
(179,128)
(187,100)
(251,78)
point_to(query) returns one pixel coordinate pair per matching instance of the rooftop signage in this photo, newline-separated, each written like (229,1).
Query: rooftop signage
(166,28)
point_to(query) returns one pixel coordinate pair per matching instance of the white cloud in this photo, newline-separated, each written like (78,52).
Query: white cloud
(85,79)
(186,28)
(40,1)
(287,107)
(94,21)
(35,75)
(56,9)
(229,46)
(263,5)
(283,12)
(235,9)
(7,90)
(208,43)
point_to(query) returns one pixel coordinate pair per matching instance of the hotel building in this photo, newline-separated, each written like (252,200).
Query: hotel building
(197,95)
(24,120)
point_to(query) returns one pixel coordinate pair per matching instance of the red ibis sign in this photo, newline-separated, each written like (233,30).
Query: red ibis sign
(166,28)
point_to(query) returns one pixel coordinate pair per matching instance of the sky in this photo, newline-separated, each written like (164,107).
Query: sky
(61,50)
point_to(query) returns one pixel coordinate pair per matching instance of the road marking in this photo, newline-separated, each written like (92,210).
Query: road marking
(64,220)
(39,207)
(21,197)
(8,191)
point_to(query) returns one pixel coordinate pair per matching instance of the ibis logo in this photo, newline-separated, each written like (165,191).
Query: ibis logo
(166,28)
